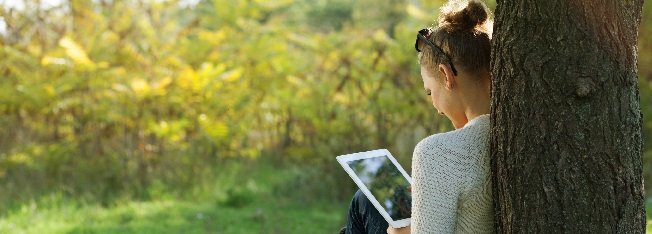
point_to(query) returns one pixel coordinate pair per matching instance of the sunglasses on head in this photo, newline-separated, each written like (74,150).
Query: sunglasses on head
(423,35)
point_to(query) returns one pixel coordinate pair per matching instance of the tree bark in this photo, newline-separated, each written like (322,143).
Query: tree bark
(566,121)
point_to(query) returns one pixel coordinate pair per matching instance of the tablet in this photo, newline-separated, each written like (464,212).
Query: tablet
(383,181)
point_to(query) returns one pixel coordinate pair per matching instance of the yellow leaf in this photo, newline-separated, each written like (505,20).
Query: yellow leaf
(20,159)
(34,49)
(219,130)
(295,80)
(76,52)
(140,87)
(103,64)
(48,60)
(214,130)
(119,87)
(161,86)
(110,38)
(214,38)
(173,131)
(232,75)
(49,90)
(250,153)
(341,98)
(189,80)
(119,71)
(164,82)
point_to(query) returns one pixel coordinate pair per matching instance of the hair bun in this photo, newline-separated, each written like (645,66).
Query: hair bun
(463,15)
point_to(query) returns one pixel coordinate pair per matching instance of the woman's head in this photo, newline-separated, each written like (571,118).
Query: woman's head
(454,59)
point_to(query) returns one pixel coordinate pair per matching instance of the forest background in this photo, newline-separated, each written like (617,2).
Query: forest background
(220,116)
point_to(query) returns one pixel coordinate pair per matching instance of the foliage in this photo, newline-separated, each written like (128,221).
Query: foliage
(106,99)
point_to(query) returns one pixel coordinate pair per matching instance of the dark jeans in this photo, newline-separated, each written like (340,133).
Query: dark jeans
(363,217)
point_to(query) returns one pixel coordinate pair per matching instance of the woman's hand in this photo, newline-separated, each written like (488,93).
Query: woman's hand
(403,230)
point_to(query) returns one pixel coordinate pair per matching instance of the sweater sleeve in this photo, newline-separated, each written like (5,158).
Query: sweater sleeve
(437,183)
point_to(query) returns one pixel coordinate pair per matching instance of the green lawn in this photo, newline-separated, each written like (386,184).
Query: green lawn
(231,203)
(174,216)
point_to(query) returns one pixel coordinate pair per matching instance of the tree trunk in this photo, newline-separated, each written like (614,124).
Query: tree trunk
(566,122)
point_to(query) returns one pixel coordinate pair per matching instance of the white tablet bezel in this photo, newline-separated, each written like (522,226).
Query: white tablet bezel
(343,159)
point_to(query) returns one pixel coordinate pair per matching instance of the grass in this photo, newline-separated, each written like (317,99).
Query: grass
(648,210)
(174,216)
(232,203)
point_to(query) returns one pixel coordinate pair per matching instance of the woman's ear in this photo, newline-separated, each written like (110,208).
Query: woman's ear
(450,80)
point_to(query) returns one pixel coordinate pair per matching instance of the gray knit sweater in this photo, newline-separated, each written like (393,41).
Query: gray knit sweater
(451,190)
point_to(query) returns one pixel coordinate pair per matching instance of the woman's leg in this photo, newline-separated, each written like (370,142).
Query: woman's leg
(363,218)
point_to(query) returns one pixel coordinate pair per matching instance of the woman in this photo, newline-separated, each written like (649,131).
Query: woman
(451,190)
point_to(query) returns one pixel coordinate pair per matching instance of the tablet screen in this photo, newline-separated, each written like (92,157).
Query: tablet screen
(386,183)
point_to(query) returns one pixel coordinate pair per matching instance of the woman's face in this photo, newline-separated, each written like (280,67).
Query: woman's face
(435,88)
(442,96)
